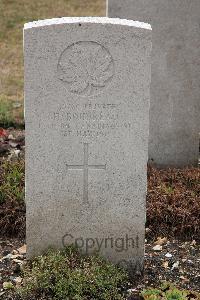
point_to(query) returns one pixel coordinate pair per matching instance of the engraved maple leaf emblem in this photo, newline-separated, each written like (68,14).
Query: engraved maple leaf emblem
(86,68)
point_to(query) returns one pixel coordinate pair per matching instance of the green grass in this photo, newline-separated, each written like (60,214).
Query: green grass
(67,274)
(169,292)
(6,116)
(12,206)
(13,15)
(9,115)
(12,182)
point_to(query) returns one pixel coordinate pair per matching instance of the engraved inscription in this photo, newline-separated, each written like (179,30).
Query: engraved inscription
(85,167)
(91,120)
(85,68)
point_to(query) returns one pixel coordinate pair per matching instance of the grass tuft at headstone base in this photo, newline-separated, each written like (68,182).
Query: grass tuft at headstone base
(12,205)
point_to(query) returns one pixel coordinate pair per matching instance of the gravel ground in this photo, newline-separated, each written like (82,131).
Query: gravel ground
(165,260)
(12,144)
(173,261)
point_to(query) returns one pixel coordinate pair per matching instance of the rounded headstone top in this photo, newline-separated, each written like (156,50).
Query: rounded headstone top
(94,20)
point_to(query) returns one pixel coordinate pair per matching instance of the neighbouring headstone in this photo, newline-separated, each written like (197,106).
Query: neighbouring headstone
(87,84)
(175,88)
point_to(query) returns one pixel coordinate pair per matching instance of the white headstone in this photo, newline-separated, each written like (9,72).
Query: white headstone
(87,119)
(175,88)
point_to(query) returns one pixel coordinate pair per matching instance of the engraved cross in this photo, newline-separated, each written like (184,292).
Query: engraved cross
(85,167)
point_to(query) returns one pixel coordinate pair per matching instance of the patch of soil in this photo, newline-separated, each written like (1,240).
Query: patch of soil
(12,219)
(173,202)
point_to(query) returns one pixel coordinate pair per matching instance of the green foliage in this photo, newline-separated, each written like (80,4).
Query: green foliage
(168,292)
(152,294)
(168,190)
(8,286)
(14,21)
(6,116)
(66,274)
(9,115)
(176,294)
(12,182)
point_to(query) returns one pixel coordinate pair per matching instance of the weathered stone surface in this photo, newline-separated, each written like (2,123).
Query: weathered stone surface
(87,118)
(175,88)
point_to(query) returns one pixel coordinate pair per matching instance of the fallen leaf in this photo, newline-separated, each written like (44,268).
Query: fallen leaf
(17,280)
(165,264)
(161,241)
(20,262)
(184,278)
(193,243)
(3,132)
(157,248)
(22,250)
(11,137)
